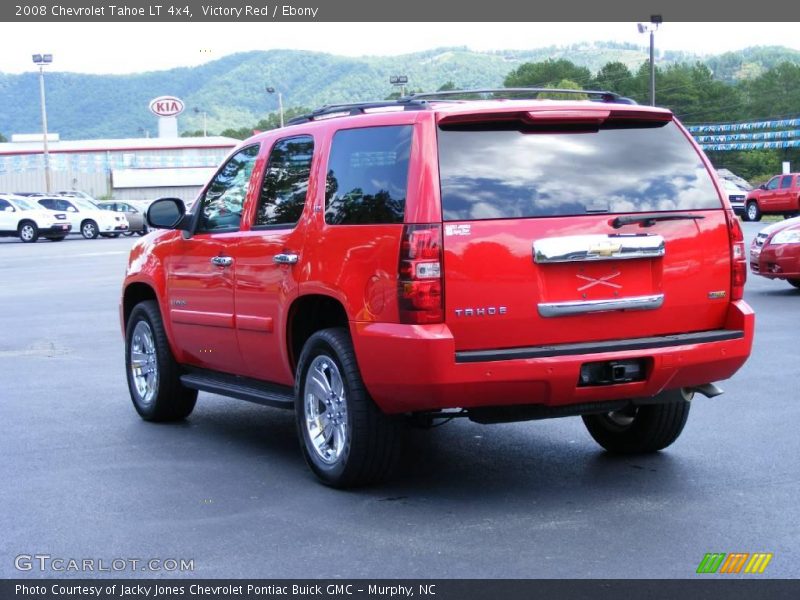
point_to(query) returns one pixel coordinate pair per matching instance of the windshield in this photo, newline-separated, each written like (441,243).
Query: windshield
(495,171)
(83,203)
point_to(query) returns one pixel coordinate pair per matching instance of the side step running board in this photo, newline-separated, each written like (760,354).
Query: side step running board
(244,388)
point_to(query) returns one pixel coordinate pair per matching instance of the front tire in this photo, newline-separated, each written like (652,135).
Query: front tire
(642,429)
(28,232)
(89,229)
(153,374)
(752,211)
(346,440)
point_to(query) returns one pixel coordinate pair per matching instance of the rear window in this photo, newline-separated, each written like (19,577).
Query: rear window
(368,175)
(510,172)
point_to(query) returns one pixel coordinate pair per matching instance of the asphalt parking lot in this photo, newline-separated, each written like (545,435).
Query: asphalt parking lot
(84,477)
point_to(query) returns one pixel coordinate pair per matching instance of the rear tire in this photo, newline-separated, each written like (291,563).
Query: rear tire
(643,429)
(28,232)
(752,212)
(346,440)
(153,374)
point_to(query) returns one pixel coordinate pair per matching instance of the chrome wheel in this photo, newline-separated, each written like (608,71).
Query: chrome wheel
(89,230)
(752,211)
(27,233)
(325,409)
(144,362)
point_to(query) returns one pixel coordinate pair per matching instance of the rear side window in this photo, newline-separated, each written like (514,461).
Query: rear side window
(786,182)
(368,175)
(285,186)
(509,172)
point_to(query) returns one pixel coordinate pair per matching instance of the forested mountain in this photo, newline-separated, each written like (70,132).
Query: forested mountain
(231,90)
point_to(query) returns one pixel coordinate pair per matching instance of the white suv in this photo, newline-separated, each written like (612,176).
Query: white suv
(86,217)
(23,218)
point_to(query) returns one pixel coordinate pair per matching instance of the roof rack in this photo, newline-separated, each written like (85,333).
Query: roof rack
(421,101)
(507,93)
(357,108)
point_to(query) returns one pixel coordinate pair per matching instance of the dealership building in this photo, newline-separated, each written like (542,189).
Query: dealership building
(124,169)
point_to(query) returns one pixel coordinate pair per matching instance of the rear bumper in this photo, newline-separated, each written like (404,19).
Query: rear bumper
(56,229)
(411,368)
(780,261)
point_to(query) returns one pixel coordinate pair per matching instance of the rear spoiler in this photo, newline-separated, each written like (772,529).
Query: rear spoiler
(555,115)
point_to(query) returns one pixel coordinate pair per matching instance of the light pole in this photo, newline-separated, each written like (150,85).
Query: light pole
(41,60)
(400,80)
(271,90)
(197,111)
(655,21)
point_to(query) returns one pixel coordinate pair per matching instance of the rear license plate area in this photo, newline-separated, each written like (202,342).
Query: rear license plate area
(612,372)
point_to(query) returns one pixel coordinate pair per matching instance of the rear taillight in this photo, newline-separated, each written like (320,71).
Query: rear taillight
(419,287)
(738,258)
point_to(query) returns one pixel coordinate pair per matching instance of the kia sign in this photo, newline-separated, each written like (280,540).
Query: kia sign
(166,106)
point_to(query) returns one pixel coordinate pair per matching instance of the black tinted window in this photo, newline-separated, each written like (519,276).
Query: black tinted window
(224,198)
(368,175)
(47,203)
(283,192)
(510,172)
(786,182)
(4,205)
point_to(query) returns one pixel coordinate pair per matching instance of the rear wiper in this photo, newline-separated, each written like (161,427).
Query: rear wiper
(651,219)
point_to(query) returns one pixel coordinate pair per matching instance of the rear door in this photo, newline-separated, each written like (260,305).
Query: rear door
(544,241)
(785,196)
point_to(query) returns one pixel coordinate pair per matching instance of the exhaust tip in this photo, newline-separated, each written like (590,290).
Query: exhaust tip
(709,390)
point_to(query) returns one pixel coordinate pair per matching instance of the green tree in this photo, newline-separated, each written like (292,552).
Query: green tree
(614,77)
(2,138)
(547,74)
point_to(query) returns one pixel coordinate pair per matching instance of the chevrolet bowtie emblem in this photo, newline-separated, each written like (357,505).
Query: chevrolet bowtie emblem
(605,248)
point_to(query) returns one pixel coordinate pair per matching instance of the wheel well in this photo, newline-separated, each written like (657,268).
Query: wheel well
(135,293)
(87,221)
(23,221)
(308,315)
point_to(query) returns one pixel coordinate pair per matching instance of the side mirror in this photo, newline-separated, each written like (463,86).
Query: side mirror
(168,213)
(763,186)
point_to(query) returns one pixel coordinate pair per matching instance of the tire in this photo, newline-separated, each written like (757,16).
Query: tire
(89,229)
(59,238)
(794,282)
(643,429)
(752,212)
(28,232)
(128,233)
(364,444)
(144,230)
(154,383)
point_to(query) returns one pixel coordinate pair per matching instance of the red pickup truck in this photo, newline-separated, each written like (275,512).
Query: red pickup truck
(376,265)
(780,195)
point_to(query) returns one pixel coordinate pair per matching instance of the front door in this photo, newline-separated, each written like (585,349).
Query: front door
(201,270)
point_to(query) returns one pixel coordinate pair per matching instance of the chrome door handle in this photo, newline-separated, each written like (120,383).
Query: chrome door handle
(285,259)
(222,261)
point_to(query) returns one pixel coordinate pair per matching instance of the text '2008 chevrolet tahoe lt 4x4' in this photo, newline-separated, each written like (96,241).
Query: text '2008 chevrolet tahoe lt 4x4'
(380,264)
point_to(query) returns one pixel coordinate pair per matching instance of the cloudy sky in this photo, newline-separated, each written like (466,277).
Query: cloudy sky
(134,47)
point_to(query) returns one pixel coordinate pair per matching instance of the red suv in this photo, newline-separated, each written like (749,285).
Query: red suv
(376,265)
(780,195)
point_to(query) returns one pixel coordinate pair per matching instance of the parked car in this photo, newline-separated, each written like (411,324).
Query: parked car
(86,217)
(23,218)
(780,195)
(374,265)
(775,252)
(736,196)
(135,217)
